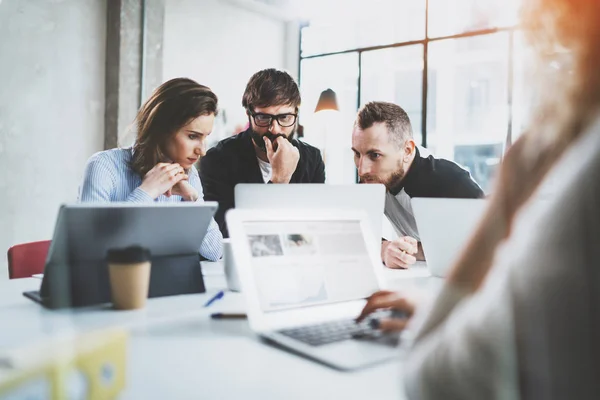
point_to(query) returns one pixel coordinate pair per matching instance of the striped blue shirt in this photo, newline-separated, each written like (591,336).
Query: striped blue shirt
(108,177)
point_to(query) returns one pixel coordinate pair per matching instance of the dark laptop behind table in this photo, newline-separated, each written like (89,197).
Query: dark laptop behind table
(76,273)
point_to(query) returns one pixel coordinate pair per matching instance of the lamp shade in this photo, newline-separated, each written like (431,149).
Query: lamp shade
(327,101)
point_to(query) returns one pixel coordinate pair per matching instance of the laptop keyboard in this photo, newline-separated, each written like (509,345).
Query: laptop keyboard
(330,332)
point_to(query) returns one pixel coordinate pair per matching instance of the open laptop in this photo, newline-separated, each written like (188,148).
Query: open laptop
(444,226)
(76,273)
(305,275)
(367,197)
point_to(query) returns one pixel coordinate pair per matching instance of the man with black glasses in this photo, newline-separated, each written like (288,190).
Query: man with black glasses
(266,152)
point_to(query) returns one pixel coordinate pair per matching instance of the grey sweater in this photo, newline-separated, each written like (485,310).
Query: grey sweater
(533,330)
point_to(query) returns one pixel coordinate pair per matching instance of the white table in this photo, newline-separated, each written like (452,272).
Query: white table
(177,351)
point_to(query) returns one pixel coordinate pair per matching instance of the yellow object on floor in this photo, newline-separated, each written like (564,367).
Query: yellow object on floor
(88,366)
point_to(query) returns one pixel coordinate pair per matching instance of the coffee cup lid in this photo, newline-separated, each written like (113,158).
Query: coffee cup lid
(131,254)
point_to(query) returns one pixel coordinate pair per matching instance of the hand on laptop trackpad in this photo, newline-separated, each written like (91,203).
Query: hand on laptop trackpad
(372,331)
(385,339)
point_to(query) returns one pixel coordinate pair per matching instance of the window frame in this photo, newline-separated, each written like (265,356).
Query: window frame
(425,43)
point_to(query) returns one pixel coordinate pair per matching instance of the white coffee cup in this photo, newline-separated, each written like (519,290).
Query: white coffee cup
(231,276)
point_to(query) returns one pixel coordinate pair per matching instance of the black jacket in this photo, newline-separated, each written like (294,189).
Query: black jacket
(437,177)
(233,161)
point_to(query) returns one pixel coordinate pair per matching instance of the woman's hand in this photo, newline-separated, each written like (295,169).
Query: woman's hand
(162,178)
(185,190)
(400,305)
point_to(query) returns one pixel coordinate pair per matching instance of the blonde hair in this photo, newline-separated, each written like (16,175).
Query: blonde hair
(565,38)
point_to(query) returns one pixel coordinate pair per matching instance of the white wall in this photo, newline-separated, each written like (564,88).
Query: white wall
(221,45)
(51,110)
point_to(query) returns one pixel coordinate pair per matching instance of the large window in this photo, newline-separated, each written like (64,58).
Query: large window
(395,75)
(467,104)
(453,65)
(328,130)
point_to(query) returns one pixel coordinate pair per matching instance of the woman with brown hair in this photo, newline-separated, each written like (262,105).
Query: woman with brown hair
(519,314)
(172,127)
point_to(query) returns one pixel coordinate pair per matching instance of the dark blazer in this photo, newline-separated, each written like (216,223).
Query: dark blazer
(437,177)
(233,161)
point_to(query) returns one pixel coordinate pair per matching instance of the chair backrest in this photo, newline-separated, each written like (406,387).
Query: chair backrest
(27,259)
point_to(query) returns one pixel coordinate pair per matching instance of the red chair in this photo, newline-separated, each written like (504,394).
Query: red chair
(27,259)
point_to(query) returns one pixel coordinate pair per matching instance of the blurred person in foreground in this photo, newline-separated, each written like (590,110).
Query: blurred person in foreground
(519,314)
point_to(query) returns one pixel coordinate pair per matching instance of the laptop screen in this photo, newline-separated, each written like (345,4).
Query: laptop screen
(305,263)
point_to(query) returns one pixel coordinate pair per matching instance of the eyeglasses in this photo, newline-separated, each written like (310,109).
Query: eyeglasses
(264,120)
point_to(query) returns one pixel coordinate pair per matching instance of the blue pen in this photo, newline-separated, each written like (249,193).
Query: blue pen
(216,297)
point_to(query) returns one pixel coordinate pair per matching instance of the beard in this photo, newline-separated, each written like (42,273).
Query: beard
(258,140)
(392,183)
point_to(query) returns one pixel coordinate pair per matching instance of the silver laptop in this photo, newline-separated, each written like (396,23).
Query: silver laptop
(370,198)
(305,275)
(444,226)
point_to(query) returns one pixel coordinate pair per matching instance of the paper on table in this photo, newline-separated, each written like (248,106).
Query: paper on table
(38,276)
(417,270)
(215,268)
(230,303)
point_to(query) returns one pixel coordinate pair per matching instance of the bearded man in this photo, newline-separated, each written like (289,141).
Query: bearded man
(385,152)
(267,151)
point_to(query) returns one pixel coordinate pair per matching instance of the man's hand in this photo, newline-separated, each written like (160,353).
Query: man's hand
(283,160)
(399,253)
(385,299)
(183,189)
